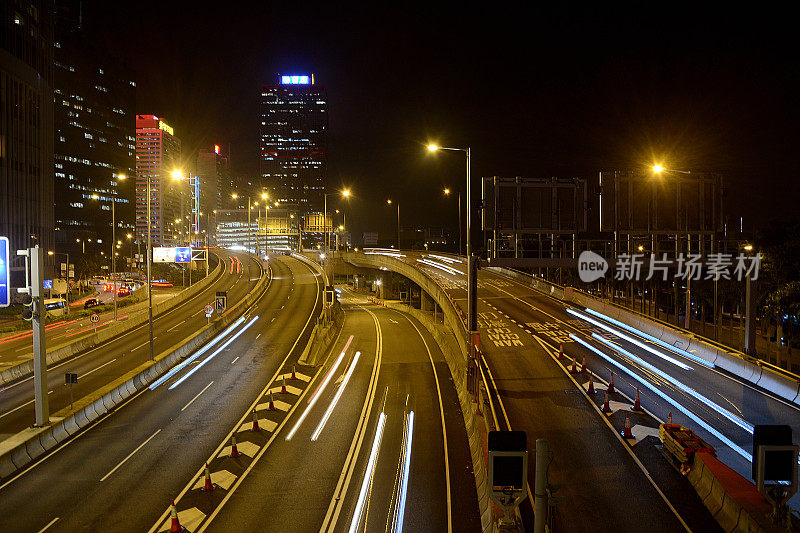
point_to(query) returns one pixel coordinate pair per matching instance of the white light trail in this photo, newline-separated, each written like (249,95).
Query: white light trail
(335,400)
(669,400)
(318,392)
(197,354)
(440,266)
(373,458)
(401,506)
(210,357)
(630,339)
(445,259)
(656,340)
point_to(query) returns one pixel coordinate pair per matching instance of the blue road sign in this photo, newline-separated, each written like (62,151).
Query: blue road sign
(5,274)
(221,301)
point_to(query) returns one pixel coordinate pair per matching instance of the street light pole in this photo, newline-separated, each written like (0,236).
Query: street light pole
(149,253)
(113,247)
(398,225)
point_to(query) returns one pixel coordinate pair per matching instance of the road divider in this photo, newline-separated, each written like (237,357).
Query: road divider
(28,445)
(68,350)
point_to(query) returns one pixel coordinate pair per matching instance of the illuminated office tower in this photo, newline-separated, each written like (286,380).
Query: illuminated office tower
(158,153)
(294,124)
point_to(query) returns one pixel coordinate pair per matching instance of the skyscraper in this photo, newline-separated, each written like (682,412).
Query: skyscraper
(158,153)
(94,137)
(26,127)
(213,171)
(294,124)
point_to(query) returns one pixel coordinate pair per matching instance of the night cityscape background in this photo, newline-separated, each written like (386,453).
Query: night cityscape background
(282,190)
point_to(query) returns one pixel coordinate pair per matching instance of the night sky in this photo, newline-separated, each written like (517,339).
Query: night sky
(534,92)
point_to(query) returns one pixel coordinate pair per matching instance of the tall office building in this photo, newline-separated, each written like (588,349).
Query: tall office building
(26,127)
(94,138)
(213,172)
(294,124)
(158,153)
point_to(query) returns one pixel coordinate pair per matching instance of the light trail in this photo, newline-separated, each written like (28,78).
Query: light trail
(210,357)
(668,399)
(335,400)
(445,259)
(318,392)
(373,458)
(656,340)
(630,339)
(408,437)
(440,266)
(197,354)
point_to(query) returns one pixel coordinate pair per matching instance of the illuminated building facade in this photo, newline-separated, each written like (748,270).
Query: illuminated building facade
(213,171)
(294,124)
(158,153)
(26,127)
(94,139)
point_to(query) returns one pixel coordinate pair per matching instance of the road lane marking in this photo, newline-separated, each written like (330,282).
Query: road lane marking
(21,406)
(130,455)
(257,336)
(98,368)
(145,343)
(53,521)
(198,395)
(176,325)
(234,361)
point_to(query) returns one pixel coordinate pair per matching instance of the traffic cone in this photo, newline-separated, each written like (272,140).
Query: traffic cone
(611,384)
(583,365)
(294,376)
(670,417)
(208,486)
(591,384)
(234,449)
(255,420)
(173,513)
(561,352)
(636,405)
(573,370)
(626,433)
(606,408)
(283,384)
(271,406)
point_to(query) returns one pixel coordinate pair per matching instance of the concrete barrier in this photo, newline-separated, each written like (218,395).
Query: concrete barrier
(14,451)
(67,350)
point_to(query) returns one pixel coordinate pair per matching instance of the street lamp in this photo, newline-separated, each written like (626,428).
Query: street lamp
(472,281)
(389,202)
(249,244)
(345,194)
(447,193)
(120,177)
(658,169)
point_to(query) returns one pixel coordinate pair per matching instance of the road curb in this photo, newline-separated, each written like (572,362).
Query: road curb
(65,351)
(14,452)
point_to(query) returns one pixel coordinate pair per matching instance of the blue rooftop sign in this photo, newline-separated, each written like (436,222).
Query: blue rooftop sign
(295,80)
(5,269)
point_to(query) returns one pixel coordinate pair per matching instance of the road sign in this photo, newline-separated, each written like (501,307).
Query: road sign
(5,272)
(209,309)
(95,318)
(221,301)
(508,469)
(70,377)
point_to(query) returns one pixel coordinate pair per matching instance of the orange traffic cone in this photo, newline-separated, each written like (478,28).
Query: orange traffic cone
(255,421)
(176,525)
(637,406)
(271,406)
(591,384)
(611,384)
(294,376)
(561,352)
(283,384)
(234,449)
(670,417)
(606,408)
(583,365)
(626,433)
(207,486)
(573,370)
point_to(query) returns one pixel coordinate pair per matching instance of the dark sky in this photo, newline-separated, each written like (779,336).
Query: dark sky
(534,92)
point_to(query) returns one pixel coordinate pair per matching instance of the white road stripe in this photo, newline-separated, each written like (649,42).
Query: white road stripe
(21,406)
(176,325)
(53,521)
(237,358)
(198,395)
(130,455)
(98,368)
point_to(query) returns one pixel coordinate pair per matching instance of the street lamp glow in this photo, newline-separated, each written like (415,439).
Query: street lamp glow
(389,201)
(95,197)
(658,169)
(346,193)
(121,176)
(234,196)
(177,174)
(264,196)
(341,228)
(641,248)
(432,147)
(49,252)
(446,190)
(748,247)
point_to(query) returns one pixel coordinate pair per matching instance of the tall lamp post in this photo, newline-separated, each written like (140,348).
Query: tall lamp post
(345,194)
(249,244)
(472,278)
(389,202)
(120,177)
(447,193)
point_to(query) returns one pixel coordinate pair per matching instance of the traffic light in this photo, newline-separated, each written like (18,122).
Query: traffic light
(27,307)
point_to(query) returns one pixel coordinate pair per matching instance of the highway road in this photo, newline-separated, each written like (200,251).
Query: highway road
(120,474)
(521,332)
(115,357)
(382,444)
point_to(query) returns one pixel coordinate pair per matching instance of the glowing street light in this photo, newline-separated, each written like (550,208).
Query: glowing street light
(658,169)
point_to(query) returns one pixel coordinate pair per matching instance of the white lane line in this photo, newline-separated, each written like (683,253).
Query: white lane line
(145,343)
(53,521)
(198,394)
(130,455)
(257,336)
(21,406)
(98,368)
(176,325)
(234,361)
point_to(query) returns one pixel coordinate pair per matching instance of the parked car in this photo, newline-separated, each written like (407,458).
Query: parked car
(91,302)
